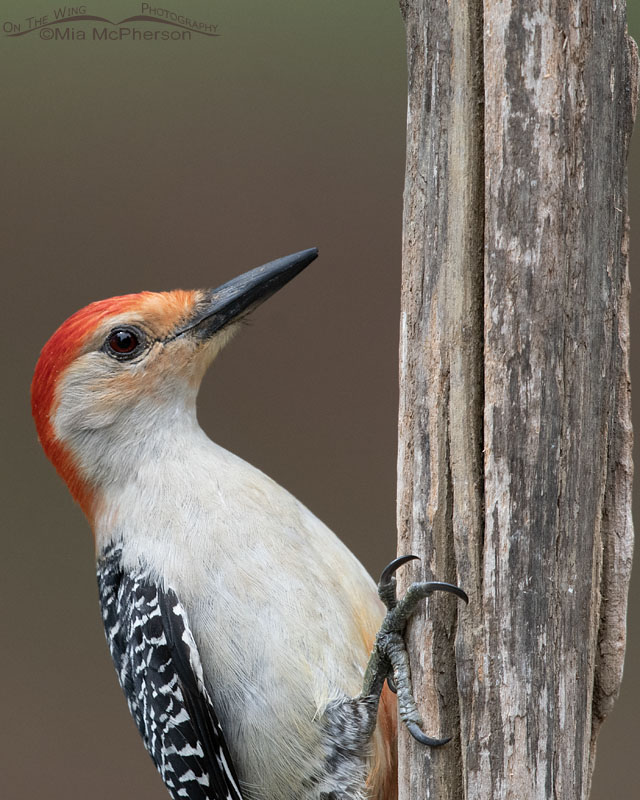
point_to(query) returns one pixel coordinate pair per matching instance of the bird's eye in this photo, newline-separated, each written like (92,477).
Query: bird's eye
(124,343)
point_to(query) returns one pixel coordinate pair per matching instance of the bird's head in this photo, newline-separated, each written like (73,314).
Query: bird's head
(119,368)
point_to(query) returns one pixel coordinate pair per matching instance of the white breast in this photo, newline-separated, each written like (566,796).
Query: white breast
(282,612)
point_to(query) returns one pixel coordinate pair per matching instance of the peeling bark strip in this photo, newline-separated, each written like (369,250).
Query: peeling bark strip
(515,438)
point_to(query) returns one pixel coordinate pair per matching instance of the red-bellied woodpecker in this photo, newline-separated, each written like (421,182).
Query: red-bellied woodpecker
(250,643)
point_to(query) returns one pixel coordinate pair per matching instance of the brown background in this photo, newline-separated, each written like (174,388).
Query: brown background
(153,165)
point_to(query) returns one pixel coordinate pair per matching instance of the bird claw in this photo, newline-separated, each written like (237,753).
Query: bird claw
(390,660)
(440,586)
(421,737)
(387,583)
(394,566)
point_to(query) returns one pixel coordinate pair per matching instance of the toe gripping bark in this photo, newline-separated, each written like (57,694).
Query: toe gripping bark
(389,660)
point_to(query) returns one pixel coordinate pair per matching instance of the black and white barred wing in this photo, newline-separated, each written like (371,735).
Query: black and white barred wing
(159,669)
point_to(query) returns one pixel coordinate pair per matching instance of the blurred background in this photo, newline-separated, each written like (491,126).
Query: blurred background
(130,165)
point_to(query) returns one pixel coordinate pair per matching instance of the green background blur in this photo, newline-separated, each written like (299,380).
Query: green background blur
(155,165)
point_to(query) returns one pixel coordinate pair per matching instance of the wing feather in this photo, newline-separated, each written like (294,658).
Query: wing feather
(160,671)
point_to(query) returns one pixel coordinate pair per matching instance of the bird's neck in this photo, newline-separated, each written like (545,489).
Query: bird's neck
(172,504)
(128,461)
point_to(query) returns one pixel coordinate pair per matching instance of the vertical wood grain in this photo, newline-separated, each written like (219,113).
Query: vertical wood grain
(515,440)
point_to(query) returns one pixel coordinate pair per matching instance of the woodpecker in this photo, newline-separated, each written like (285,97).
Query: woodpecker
(250,643)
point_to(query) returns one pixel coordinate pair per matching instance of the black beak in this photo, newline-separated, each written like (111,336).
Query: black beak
(246,292)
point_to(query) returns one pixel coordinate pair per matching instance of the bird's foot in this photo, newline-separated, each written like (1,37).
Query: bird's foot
(389,660)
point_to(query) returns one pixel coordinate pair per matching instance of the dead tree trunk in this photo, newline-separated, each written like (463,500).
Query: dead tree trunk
(515,439)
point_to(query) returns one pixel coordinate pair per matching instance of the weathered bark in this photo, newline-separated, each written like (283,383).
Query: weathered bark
(515,438)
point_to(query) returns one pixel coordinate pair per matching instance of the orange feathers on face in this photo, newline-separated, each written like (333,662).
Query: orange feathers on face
(164,309)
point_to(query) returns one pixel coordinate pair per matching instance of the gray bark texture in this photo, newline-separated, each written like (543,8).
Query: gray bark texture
(515,437)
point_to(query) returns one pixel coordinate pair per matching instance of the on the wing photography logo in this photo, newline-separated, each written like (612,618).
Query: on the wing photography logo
(77,23)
